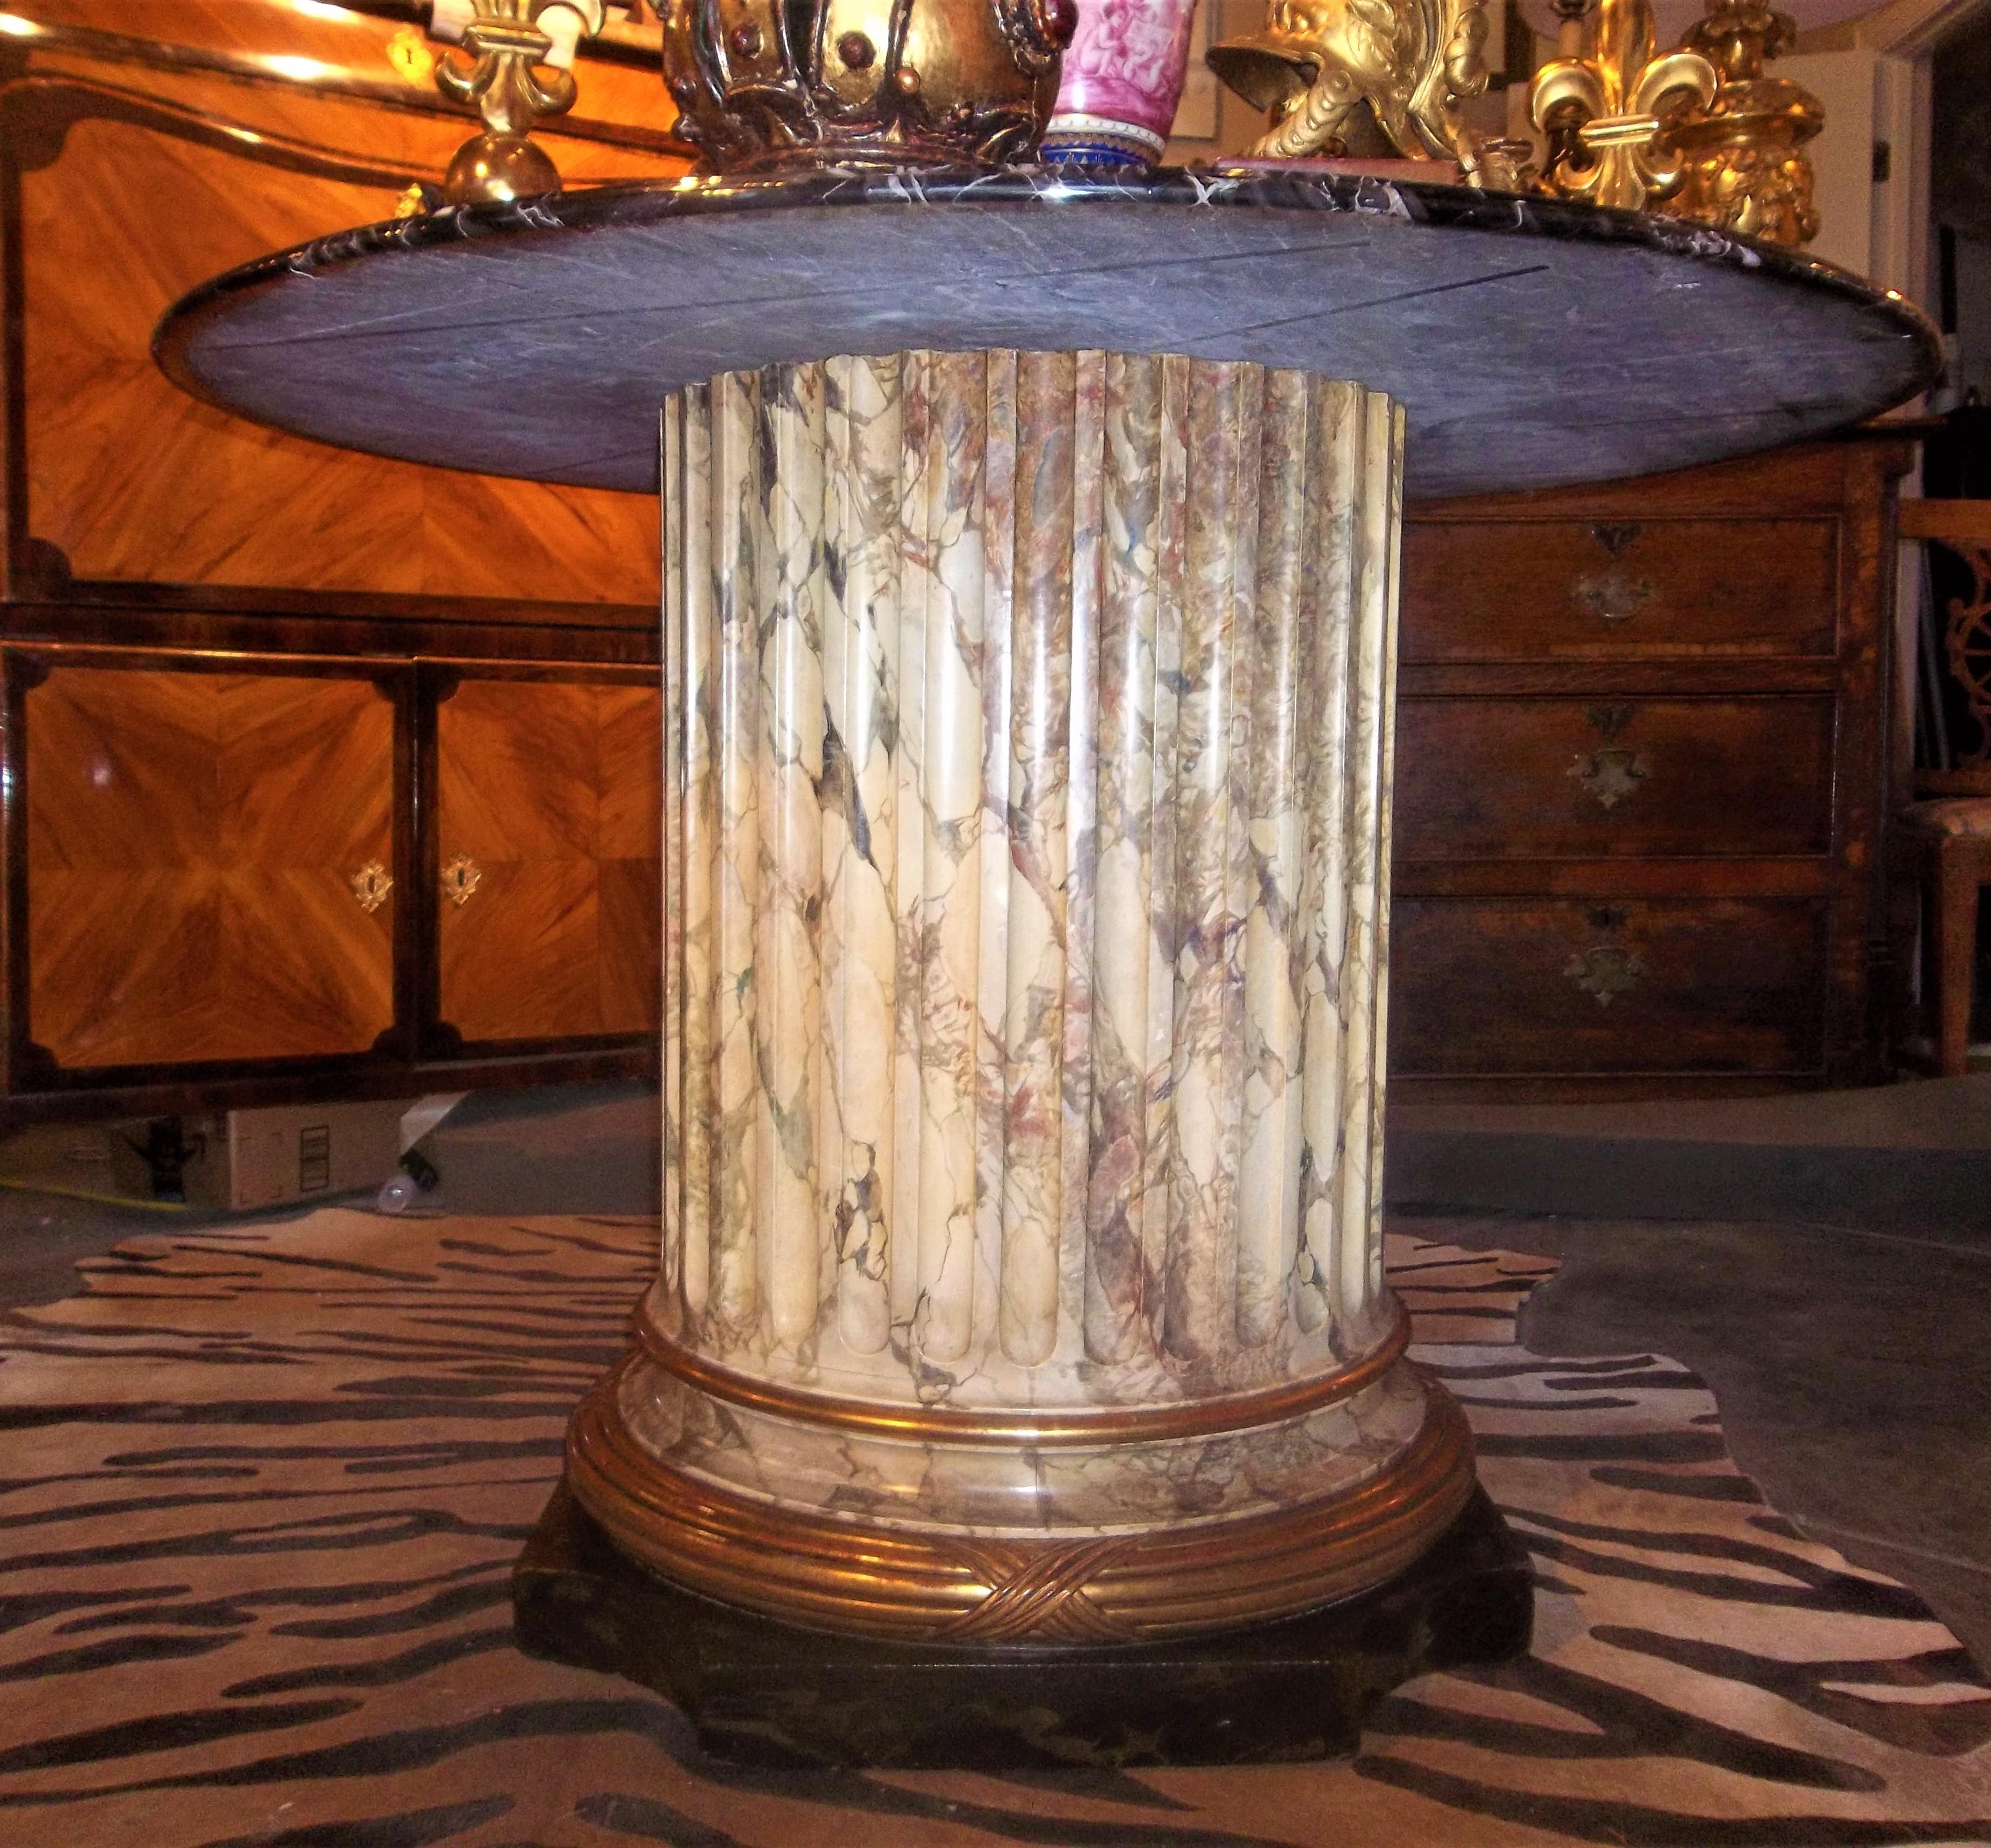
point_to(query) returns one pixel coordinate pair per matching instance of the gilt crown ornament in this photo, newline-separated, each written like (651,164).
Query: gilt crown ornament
(768,84)
(876,82)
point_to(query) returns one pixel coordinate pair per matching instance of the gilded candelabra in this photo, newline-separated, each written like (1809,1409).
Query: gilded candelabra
(515,72)
(1610,120)
(1746,169)
(1698,133)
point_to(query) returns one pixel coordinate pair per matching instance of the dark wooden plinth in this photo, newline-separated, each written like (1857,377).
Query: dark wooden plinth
(763,1693)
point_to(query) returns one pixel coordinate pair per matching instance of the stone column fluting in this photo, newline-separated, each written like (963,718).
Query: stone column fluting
(1027,843)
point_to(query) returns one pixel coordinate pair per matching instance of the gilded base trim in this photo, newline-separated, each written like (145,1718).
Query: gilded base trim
(857,1576)
(1033,1427)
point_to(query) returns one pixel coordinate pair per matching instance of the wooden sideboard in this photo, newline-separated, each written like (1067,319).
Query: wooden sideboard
(241,872)
(326,774)
(1643,767)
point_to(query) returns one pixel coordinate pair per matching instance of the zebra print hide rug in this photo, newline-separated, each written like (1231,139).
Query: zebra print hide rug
(263,1486)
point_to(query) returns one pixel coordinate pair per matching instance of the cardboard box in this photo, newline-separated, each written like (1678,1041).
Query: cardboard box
(274,1157)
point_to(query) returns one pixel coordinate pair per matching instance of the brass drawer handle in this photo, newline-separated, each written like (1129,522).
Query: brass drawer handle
(1614,595)
(1606,969)
(461,878)
(1611,774)
(1614,771)
(371,885)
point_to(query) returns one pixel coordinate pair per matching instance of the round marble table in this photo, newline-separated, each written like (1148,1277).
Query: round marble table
(1031,554)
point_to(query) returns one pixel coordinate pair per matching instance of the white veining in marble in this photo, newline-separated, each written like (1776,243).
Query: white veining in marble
(1027,842)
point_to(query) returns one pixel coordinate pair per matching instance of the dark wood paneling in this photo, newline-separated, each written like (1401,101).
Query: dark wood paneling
(1544,588)
(144,145)
(1561,779)
(191,839)
(1543,985)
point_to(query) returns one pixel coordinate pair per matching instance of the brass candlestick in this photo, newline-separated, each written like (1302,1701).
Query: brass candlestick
(515,75)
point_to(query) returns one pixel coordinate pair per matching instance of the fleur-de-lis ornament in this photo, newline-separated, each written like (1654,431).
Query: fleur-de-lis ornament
(1607,117)
(516,74)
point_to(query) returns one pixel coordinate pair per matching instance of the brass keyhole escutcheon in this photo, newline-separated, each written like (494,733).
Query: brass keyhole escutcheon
(371,885)
(461,878)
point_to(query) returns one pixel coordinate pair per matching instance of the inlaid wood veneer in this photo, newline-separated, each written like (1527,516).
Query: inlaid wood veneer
(141,175)
(193,839)
(549,788)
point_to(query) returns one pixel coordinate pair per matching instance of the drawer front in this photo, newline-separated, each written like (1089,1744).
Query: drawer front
(1545,985)
(1533,590)
(1557,779)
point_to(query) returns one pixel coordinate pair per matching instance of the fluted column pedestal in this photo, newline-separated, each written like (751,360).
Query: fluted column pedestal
(1026,838)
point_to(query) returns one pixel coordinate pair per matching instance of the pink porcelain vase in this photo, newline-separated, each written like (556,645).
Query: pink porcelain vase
(1121,79)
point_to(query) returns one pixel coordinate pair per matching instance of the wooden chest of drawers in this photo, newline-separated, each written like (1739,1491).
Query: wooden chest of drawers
(1642,768)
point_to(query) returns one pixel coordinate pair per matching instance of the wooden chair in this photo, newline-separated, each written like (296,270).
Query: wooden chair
(1945,840)
(1946,844)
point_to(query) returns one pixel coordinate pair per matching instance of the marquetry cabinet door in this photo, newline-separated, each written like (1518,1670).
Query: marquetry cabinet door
(545,834)
(208,864)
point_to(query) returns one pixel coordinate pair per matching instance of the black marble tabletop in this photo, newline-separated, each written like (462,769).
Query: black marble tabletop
(1533,343)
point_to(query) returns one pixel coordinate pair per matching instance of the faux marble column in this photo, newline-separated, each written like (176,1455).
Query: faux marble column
(1027,764)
